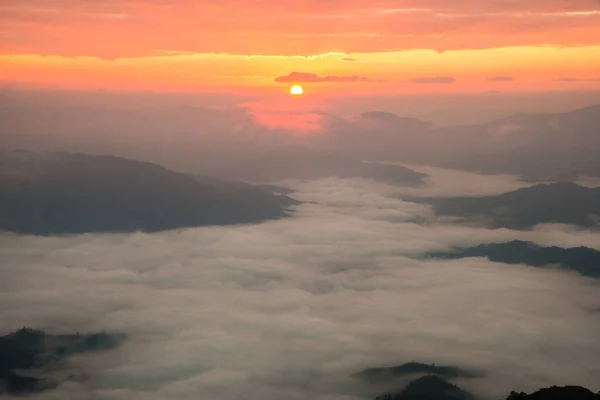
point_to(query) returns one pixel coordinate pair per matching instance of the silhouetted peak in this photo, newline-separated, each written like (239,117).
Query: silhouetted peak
(296,150)
(554,187)
(413,368)
(589,111)
(384,115)
(391,118)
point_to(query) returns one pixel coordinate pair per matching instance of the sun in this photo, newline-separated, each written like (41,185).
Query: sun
(296,90)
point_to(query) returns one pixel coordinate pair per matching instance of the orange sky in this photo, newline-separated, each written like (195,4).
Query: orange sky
(353,46)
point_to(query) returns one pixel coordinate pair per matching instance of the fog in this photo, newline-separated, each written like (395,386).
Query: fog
(439,108)
(288,309)
(442,182)
(208,133)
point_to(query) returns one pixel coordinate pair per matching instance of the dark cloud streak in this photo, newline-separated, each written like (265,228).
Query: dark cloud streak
(501,79)
(306,77)
(433,79)
(570,79)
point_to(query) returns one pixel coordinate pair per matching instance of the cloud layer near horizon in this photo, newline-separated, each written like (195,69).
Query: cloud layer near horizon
(501,79)
(433,79)
(287,309)
(305,77)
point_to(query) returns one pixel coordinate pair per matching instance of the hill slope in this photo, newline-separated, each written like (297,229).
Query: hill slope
(299,162)
(28,350)
(583,260)
(53,193)
(523,208)
(411,368)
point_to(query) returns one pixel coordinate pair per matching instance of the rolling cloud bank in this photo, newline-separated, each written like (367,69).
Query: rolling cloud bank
(292,308)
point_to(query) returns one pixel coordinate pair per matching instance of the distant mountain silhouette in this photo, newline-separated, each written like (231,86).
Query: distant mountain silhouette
(543,146)
(54,193)
(299,162)
(411,368)
(535,146)
(583,260)
(392,120)
(237,185)
(28,349)
(523,208)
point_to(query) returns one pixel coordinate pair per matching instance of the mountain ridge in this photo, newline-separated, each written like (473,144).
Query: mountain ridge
(65,193)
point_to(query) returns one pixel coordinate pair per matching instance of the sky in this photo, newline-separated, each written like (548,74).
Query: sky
(346,47)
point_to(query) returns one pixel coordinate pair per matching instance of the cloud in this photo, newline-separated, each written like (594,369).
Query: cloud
(348,59)
(285,117)
(433,79)
(441,182)
(501,79)
(568,79)
(287,309)
(305,77)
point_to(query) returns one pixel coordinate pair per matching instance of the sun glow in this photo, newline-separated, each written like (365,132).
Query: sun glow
(296,90)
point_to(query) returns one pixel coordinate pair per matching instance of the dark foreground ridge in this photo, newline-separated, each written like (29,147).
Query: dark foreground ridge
(557,393)
(565,203)
(28,349)
(434,384)
(62,193)
(583,260)
(433,387)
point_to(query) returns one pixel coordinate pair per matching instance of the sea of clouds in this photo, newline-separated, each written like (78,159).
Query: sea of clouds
(288,309)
